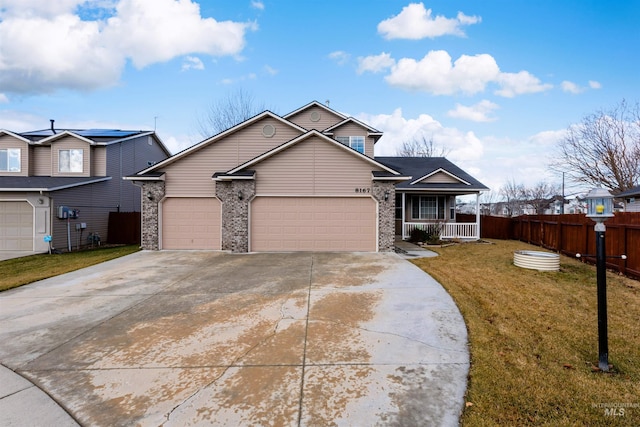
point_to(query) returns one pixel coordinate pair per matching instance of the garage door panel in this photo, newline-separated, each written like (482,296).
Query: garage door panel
(313,224)
(191,223)
(16,226)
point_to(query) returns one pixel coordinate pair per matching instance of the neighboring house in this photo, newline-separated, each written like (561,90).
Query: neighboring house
(631,199)
(306,181)
(64,182)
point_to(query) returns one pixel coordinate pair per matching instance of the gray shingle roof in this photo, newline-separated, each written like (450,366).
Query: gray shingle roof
(418,167)
(46,183)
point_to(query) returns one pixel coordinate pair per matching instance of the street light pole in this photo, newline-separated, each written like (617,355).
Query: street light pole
(601,279)
(600,209)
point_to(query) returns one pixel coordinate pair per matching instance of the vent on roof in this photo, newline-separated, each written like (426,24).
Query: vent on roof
(52,127)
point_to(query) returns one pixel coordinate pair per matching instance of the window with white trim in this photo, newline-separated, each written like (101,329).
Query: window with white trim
(70,160)
(355,142)
(428,207)
(10,160)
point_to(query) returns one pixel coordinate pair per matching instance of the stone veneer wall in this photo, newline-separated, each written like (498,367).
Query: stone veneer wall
(386,215)
(150,214)
(235,213)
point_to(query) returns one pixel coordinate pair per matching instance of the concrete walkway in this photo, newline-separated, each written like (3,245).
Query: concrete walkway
(209,338)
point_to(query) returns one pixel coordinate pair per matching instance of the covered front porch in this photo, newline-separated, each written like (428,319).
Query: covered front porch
(435,214)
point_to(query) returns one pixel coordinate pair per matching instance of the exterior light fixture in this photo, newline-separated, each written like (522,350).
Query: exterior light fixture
(600,209)
(386,195)
(149,195)
(240,195)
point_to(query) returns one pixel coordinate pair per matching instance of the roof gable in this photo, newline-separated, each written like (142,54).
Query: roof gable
(13,135)
(222,135)
(63,134)
(312,133)
(372,131)
(314,104)
(439,176)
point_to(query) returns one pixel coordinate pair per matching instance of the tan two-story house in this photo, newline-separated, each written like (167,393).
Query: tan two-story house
(61,184)
(305,181)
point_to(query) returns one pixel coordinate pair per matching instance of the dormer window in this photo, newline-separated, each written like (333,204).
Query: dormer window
(70,160)
(10,160)
(355,142)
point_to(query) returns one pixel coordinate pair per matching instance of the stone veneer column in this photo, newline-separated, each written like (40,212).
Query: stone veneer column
(152,192)
(386,214)
(235,213)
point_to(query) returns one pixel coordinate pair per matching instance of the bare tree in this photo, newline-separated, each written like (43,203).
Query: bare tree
(539,196)
(513,194)
(421,147)
(227,112)
(603,149)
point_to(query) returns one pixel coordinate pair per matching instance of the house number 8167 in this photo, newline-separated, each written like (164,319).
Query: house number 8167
(363,190)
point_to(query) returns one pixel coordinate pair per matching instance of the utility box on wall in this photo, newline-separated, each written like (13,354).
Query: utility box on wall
(65,212)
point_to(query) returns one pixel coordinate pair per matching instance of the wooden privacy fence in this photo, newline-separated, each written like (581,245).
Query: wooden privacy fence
(124,228)
(572,234)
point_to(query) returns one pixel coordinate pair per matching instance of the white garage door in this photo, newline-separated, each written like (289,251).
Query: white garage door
(191,223)
(313,224)
(16,226)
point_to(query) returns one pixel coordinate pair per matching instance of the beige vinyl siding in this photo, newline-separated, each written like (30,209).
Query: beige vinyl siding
(441,178)
(352,129)
(70,143)
(327,119)
(314,167)
(41,161)
(191,175)
(6,142)
(99,161)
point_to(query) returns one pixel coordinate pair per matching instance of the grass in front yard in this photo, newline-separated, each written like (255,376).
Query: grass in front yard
(534,338)
(21,271)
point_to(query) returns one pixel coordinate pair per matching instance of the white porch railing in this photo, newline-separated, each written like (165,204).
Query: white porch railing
(448,230)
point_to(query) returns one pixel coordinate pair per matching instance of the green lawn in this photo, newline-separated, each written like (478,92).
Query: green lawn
(534,339)
(21,271)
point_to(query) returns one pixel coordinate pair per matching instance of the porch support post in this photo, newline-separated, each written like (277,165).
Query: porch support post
(404,215)
(478,215)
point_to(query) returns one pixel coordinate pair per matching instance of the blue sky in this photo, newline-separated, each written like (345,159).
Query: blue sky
(495,82)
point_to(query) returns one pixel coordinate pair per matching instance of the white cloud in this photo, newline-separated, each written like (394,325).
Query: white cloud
(3,99)
(415,22)
(375,63)
(340,57)
(192,63)
(257,5)
(437,75)
(594,84)
(571,87)
(480,112)
(67,51)
(520,83)
(463,147)
(270,70)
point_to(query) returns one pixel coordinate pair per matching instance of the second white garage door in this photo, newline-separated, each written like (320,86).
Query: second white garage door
(191,223)
(313,224)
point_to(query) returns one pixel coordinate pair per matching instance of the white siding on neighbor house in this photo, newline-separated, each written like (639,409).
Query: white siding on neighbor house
(191,175)
(353,129)
(313,224)
(70,143)
(314,166)
(633,206)
(7,142)
(191,223)
(41,160)
(326,118)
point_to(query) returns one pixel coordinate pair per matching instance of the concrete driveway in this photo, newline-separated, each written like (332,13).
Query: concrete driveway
(209,338)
